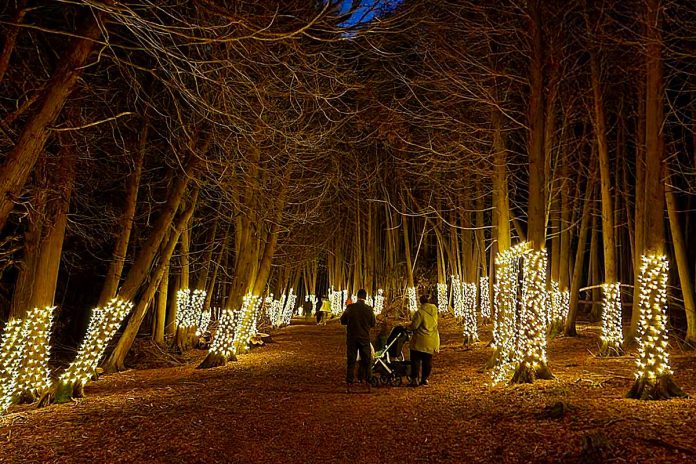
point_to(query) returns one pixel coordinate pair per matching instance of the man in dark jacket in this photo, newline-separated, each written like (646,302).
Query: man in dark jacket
(358,318)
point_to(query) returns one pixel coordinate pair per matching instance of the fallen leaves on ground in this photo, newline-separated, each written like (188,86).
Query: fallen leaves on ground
(285,402)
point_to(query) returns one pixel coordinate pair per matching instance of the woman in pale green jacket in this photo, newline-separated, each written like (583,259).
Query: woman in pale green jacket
(424,342)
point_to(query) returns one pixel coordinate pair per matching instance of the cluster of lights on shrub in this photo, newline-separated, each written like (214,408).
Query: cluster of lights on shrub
(312,299)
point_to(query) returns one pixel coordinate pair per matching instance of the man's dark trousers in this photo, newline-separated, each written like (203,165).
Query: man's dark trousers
(365,350)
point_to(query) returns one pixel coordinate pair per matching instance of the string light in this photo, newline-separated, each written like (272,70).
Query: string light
(442,298)
(103,325)
(313,300)
(470,327)
(289,308)
(34,376)
(412,302)
(505,290)
(612,335)
(10,358)
(653,360)
(203,323)
(532,322)
(223,342)
(369,301)
(379,302)
(342,307)
(485,298)
(457,298)
(189,307)
(246,325)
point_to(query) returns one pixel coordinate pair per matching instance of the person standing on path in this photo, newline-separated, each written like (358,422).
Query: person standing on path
(323,310)
(424,342)
(358,318)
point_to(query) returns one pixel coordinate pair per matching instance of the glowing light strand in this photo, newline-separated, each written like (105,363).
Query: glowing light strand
(469,298)
(457,297)
(441,298)
(612,334)
(485,298)
(653,359)
(506,289)
(379,302)
(103,325)
(34,375)
(412,302)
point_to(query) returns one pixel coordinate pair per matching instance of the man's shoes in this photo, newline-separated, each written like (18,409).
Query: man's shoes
(424,383)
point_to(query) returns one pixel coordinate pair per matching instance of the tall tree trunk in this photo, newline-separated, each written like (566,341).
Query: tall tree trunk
(113,275)
(20,161)
(115,361)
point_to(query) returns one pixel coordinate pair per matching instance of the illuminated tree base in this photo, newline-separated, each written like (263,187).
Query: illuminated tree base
(215,360)
(555,329)
(610,349)
(64,392)
(528,374)
(661,388)
(493,360)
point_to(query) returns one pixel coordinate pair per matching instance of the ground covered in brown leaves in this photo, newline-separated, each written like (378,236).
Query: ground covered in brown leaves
(285,403)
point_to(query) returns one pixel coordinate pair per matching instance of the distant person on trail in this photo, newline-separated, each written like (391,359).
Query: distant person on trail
(358,318)
(424,342)
(323,310)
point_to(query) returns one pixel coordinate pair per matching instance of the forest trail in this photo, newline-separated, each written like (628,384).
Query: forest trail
(286,403)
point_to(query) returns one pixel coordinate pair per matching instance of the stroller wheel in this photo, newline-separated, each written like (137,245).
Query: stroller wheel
(396,381)
(374,381)
(385,379)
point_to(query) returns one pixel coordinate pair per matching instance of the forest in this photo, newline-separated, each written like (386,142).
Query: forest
(183,181)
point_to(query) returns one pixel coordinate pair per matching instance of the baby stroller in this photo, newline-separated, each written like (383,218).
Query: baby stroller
(389,366)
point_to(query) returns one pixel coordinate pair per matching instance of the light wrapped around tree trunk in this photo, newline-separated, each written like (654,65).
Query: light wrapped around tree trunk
(532,322)
(612,334)
(34,376)
(653,374)
(102,327)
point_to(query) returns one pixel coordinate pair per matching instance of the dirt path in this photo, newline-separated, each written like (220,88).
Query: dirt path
(285,403)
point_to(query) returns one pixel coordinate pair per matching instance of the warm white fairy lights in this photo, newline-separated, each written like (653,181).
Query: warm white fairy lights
(342,307)
(457,300)
(10,359)
(485,298)
(554,304)
(532,323)
(189,307)
(612,335)
(469,317)
(289,308)
(223,342)
(246,325)
(34,375)
(506,289)
(336,300)
(565,304)
(653,359)
(203,322)
(369,301)
(441,298)
(412,302)
(103,325)
(379,302)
